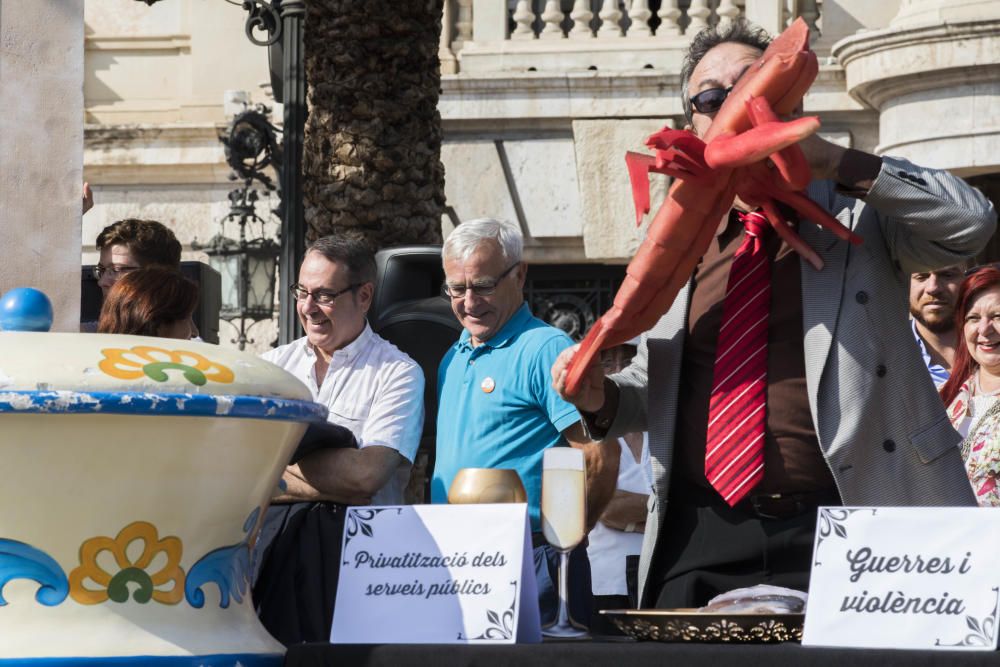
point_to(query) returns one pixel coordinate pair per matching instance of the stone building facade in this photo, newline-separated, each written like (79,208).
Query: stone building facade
(41,146)
(156,100)
(540,100)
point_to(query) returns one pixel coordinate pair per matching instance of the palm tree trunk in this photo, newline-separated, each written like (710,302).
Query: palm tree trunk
(372,152)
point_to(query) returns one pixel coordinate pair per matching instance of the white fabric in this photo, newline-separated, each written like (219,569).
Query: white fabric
(608,547)
(371,388)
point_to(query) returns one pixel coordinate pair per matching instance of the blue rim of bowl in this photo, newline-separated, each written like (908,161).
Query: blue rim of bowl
(215,660)
(151,403)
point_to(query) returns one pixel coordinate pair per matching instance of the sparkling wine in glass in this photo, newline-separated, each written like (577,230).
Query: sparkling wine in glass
(563,524)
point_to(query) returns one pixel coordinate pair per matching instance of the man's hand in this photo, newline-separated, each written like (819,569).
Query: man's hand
(601,460)
(823,157)
(349,476)
(590,396)
(88,197)
(626,509)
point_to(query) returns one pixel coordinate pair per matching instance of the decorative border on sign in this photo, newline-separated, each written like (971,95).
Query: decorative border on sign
(359,523)
(501,625)
(831,524)
(983,630)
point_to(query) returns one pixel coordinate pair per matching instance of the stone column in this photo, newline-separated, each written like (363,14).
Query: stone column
(932,74)
(41,150)
(939,12)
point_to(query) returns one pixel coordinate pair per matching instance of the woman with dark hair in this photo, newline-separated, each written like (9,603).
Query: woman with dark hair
(153,301)
(972,393)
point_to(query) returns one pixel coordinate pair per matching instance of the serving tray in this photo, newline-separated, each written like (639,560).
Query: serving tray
(688,625)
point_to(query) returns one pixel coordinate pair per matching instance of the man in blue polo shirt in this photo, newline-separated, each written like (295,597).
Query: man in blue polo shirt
(496,404)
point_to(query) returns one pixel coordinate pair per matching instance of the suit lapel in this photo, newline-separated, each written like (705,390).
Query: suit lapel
(664,346)
(664,380)
(821,297)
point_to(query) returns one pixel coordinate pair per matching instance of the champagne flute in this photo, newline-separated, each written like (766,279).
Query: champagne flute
(563,524)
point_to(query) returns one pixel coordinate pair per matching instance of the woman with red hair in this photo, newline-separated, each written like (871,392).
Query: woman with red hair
(972,393)
(153,301)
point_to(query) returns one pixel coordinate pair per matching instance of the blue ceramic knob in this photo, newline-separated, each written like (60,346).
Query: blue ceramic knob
(25,309)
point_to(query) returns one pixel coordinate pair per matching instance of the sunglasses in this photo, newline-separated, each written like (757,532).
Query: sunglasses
(710,101)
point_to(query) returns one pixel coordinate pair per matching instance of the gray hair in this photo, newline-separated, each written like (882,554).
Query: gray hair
(469,235)
(739,31)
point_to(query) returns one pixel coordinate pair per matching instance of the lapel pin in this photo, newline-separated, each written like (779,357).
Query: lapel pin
(488,385)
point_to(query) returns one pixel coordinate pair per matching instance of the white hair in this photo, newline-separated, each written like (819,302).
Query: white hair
(469,235)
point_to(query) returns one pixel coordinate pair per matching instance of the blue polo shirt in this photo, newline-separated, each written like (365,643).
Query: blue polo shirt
(497,407)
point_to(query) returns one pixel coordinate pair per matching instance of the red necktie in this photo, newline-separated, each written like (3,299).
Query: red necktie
(734,447)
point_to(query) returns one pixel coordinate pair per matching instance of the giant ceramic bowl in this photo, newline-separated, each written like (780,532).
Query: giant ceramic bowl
(136,470)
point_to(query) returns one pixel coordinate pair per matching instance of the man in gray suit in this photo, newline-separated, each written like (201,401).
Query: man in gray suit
(851,413)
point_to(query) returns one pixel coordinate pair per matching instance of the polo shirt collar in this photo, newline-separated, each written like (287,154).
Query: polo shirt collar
(349,351)
(514,326)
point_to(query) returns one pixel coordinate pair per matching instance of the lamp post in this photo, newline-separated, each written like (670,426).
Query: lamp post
(247,266)
(283,23)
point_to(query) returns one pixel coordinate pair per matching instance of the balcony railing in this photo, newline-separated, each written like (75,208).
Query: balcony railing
(481,36)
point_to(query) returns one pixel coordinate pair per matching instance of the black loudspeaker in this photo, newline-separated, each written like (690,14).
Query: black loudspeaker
(206,314)
(406,273)
(410,312)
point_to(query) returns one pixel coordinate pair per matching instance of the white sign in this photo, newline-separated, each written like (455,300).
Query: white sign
(437,574)
(892,577)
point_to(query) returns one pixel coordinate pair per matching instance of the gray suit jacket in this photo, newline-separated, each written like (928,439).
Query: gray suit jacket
(880,423)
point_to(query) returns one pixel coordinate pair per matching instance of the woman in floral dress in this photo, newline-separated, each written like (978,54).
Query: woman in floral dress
(972,393)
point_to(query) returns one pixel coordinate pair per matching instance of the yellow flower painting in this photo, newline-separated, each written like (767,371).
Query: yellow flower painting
(91,583)
(154,362)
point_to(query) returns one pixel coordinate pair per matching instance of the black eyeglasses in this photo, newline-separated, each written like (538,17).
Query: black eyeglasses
(481,288)
(710,101)
(115,271)
(323,297)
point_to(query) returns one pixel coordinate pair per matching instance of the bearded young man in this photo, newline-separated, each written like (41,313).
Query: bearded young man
(932,309)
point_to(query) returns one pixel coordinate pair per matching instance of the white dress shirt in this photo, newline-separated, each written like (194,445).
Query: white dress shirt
(372,389)
(608,547)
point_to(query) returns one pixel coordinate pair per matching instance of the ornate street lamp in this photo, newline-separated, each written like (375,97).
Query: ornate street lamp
(283,23)
(247,266)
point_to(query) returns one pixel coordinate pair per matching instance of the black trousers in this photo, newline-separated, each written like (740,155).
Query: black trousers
(297,582)
(706,548)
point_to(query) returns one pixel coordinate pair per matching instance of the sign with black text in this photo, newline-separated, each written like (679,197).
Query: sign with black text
(913,577)
(437,574)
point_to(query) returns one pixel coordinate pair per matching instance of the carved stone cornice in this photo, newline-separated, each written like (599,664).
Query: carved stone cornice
(883,65)
(170,43)
(154,154)
(538,96)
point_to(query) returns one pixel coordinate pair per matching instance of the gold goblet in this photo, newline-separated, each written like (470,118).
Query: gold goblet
(487,485)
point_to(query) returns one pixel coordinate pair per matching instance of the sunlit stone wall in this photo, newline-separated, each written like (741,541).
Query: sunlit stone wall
(41,150)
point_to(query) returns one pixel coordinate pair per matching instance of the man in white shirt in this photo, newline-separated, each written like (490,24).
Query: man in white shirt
(373,390)
(370,387)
